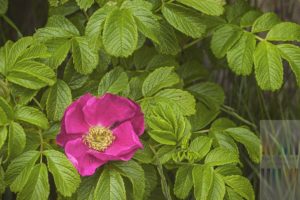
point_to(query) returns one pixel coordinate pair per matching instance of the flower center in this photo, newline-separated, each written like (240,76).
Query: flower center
(99,138)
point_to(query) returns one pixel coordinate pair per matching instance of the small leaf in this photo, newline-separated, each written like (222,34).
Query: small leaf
(85,4)
(291,53)
(201,146)
(65,175)
(3,136)
(268,66)
(218,188)
(224,38)
(249,140)
(136,175)
(203,181)
(184,19)
(19,170)
(113,82)
(110,186)
(59,98)
(249,18)
(120,34)
(7,110)
(31,115)
(240,57)
(265,22)
(160,78)
(221,156)
(59,49)
(240,185)
(16,140)
(85,58)
(87,188)
(209,7)
(37,186)
(3,6)
(183,182)
(285,31)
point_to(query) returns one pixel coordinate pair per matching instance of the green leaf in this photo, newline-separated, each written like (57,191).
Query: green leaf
(31,74)
(203,181)
(183,100)
(135,173)
(166,125)
(31,115)
(146,21)
(268,66)
(87,188)
(94,26)
(221,156)
(113,82)
(249,18)
(160,78)
(240,56)
(183,182)
(85,58)
(59,98)
(85,4)
(120,34)
(65,175)
(167,40)
(7,109)
(184,19)
(59,49)
(222,139)
(110,186)
(209,7)
(291,53)
(232,195)
(228,170)
(201,146)
(151,179)
(3,136)
(19,170)
(285,31)
(37,186)
(265,22)
(211,94)
(3,6)
(218,188)
(224,38)
(16,140)
(249,140)
(240,185)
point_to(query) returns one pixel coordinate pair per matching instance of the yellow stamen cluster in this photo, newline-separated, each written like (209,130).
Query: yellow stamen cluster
(99,138)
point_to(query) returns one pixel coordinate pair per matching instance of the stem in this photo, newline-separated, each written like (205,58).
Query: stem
(12,24)
(191,44)
(41,145)
(37,103)
(259,38)
(202,131)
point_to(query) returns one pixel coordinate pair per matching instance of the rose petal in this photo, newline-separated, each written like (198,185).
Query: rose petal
(108,110)
(138,121)
(85,163)
(74,117)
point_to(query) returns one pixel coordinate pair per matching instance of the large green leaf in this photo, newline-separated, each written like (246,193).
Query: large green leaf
(240,57)
(200,146)
(94,26)
(184,19)
(19,170)
(268,66)
(136,175)
(183,182)
(285,31)
(31,115)
(16,140)
(160,78)
(265,22)
(84,57)
(59,49)
(59,98)
(110,186)
(240,185)
(249,18)
(291,53)
(85,4)
(218,188)
(221,156)
(203,181)
(87,188)
(65,175)
(249,140)
(120,34)
(210,7)
(31,74)
(113,82)
(37,186)
(224,38)
(146,21)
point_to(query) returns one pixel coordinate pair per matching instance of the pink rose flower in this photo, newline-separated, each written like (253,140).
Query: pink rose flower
(97,130)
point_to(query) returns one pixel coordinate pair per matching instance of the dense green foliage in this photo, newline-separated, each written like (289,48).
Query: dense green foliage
(154,53)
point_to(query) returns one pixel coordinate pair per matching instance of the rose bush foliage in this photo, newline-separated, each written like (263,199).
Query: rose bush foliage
(150,54)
